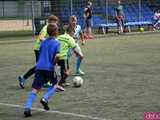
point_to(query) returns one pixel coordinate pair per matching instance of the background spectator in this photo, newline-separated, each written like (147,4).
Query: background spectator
(120,17)
(88,17)
(156,19)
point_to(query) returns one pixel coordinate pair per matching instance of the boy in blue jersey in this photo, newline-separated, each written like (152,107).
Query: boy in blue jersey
(52,19)
(77,36)
(45,66)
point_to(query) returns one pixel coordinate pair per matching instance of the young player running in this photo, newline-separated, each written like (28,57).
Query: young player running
(43,34)
(45,70)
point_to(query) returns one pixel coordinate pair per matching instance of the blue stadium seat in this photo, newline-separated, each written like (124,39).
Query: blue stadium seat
(131,14)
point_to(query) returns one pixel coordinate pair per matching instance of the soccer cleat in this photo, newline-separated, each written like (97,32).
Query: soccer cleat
(80,72)
(27,113)
(59,88)
(45,104)
(21,81)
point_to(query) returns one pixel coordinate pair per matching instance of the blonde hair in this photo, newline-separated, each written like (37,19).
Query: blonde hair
(72,18)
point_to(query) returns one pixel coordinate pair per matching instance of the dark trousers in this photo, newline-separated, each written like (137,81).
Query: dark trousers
(64,65)
(31,71)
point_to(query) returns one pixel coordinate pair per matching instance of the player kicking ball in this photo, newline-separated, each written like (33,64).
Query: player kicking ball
(67,42)
(45,66)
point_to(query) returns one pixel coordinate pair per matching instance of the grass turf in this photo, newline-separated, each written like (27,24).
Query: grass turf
(121,82)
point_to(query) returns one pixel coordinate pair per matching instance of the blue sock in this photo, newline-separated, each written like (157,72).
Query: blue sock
(31,98)
(49,93)
(78,63)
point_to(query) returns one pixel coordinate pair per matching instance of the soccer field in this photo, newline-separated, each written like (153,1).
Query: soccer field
(121,83)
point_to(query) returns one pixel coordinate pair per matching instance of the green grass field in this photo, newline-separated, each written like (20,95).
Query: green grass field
(121,83)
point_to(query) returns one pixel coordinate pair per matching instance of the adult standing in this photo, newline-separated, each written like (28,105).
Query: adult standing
(156,19)
(88,19)
(119,17)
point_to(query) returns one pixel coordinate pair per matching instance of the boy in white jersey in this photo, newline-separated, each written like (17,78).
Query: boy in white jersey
(77,36)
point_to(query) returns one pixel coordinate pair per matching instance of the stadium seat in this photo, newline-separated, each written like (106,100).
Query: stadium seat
(131,15)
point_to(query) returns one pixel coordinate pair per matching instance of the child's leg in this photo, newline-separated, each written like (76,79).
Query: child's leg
(64,68)
(78,63)
(32,70)
(79,59)
(31,98)
(70,52)
(49,93)
(29,73)
(47,96)
(37,85)
(51,90)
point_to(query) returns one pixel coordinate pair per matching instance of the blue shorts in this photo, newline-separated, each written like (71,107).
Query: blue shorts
(88,23)
(42,77)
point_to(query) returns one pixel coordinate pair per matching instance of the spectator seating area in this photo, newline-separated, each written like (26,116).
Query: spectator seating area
(132,15)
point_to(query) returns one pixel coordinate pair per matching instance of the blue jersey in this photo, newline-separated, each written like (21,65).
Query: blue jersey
(77,33)
(48,50)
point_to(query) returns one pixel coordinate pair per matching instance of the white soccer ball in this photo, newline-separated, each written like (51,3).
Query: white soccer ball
(77,81)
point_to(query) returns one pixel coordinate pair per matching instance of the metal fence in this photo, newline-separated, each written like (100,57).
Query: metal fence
(20,14)
(17,15)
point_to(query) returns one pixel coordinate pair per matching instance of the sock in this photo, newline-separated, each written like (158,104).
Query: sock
(49,93)
(31,98)
(78,63)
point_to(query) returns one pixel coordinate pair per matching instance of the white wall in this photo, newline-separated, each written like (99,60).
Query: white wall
(14,9)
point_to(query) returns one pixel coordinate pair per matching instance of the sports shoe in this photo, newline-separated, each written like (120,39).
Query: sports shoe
(80,72)
(90,37)
(27,113)
(21,81)
(59,88)
(45,104)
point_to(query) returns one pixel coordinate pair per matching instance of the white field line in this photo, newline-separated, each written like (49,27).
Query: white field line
(57,112)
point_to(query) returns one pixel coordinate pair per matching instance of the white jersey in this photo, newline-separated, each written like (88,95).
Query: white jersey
(77,33)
